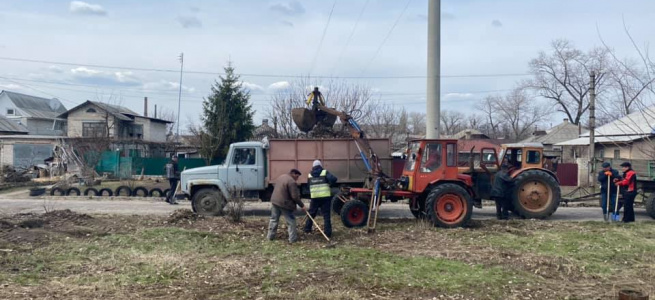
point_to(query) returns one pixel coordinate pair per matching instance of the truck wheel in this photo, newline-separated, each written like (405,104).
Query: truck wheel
(354,214)
(449,205)
(650,205)
(536,195)
(209,202)
(337,204)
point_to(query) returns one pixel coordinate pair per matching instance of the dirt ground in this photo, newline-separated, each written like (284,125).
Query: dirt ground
(67,255)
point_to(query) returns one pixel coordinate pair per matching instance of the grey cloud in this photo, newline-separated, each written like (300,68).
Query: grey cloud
(83,8)
(496,23)
(286,23)
(189,21)
(291,9)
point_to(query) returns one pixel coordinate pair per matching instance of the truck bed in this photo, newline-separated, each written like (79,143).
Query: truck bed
(339,156)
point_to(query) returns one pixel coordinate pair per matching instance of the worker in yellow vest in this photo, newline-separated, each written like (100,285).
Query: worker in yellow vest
(320,181)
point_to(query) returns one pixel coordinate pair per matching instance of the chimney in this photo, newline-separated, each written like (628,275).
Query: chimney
(145,106)
(265,122)
(566,120)
(155,111)
(467,134)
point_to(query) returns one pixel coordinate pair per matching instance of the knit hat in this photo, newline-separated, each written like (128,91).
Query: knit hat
(606,165)
(317,163)
(626,164)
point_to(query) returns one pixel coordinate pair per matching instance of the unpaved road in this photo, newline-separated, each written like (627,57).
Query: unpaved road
(137,207)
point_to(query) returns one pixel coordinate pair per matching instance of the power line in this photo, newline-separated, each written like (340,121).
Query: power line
(387,36)
(260,75)
(352,32)
(320,44)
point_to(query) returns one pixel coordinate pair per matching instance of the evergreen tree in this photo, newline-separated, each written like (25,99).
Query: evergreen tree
(227,115)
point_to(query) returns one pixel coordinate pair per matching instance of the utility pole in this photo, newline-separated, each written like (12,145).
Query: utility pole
(434,71)
(179,98)
(592,126)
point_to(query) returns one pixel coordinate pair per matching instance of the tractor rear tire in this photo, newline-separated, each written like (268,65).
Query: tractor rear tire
(449,205)
(650,205)
(208,202)
(337,204)
(536,195)
(354,214)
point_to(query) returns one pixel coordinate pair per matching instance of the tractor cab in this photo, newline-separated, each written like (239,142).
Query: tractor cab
(522,156)
(429,161)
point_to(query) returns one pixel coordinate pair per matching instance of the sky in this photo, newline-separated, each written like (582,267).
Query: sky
(63,49)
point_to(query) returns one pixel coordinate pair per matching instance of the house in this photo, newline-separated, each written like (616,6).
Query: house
(39,115)
(9,127)
(264,130)
(468,134)
(628,138)
(548,138)
(129,132)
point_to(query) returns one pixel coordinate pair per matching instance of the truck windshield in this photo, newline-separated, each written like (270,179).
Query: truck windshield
(412,154)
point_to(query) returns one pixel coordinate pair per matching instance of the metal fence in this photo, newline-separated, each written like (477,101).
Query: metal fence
(112,162)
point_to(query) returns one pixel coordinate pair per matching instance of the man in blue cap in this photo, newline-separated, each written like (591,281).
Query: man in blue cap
(605,176)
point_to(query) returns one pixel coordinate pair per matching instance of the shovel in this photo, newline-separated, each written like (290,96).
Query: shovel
(615,216)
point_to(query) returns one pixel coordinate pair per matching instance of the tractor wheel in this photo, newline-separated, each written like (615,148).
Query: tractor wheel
(650,205)
(337,204)
(209,202)
(449,205)
(420,213)
(536,195)
(354,214)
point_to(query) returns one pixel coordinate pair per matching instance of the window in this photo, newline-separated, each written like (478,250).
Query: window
(617,154)
(135,131)
(534,157)
(91,110)
(601,153)
(244,156)
(431,159)
(11,112)
(412,150)
(94,129)
(450,155)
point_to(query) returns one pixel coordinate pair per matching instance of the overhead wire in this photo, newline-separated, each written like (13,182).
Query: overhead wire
(320,43)
(352,33)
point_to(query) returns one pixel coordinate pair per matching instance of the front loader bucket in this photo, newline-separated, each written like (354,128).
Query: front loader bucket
(326,120)
(304,118)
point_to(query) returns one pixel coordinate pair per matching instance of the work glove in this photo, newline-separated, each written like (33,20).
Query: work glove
(608,173)
(616,180)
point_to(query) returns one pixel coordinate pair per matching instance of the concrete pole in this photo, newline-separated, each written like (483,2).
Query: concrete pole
(434,59)
(179,98)
(592,126)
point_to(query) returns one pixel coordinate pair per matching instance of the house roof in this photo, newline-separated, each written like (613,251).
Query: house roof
(36,107)
(560,133)
(584,141)
(120,112)
(9,126)
(462,134)
(637,123)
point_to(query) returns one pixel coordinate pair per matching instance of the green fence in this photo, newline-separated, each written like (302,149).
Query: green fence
(111,162)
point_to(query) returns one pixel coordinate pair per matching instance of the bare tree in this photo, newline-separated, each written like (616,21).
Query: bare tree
(417,123)
(452,121)
(520,112)
(491,122)
(383,121)
(168,115)
(562,76)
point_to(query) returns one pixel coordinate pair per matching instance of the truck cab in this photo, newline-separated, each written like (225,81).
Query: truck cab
(243,174)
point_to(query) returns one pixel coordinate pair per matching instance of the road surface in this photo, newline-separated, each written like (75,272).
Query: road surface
(137,207)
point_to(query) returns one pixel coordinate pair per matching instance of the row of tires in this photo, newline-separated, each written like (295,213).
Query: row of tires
(107,192)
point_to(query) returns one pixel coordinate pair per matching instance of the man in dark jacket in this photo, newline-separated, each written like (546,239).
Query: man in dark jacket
(173,175)
(607,173)
(629,188)
(284,199)
(320,181)
(502,192)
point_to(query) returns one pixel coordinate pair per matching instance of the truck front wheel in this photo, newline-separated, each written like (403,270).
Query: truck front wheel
(208,202)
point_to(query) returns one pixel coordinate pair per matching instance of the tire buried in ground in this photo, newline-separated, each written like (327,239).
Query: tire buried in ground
(354,214)
(123,188)
(449,205)
(138,189)
(91,191)
(536,195)
(57,192)
(35,192)
(106,191)
(158,191)
(165,193)
(72,190)
(209,202)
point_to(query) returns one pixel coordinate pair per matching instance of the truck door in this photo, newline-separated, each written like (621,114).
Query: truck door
(246,169)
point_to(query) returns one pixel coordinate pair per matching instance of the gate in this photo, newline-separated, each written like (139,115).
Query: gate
(567,174)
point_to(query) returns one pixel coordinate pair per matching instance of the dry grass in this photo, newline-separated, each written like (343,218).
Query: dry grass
(184,256)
